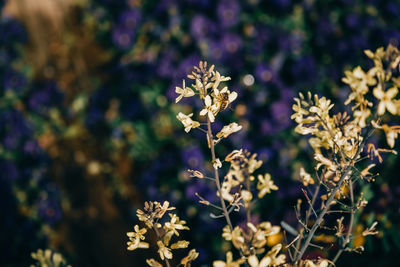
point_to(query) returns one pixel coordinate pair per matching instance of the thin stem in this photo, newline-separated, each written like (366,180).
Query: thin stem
(210,139)
(308,213)
(329,202)
(248,210)
(216,174)
(159,238)
(321,215)
(352,212)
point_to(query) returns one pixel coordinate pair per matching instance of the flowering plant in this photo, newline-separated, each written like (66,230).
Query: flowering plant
(340,143)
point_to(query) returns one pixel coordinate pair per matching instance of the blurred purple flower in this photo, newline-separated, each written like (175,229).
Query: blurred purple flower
(263,73)
(228,12)
(123,37)
(186,67)
(165,68)
(201,27)
(266,127)
(192,156)
(130,19)
(215,50)
(49,209)
(265,154)
(231,43)
(280,112)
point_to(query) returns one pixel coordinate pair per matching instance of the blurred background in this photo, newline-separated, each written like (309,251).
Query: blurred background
(87,116)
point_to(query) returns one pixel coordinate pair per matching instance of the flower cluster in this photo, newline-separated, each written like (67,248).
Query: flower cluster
(235,190)
(341,143)
(253,240)
(240,175)
(48,258)
(152,215)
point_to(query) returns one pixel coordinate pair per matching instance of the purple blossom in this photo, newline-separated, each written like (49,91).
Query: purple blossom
(232,43)
(215,50)
(263,73)
(192,156)
(201,27)
(280,112)
(228,12)
(130,19)
(123,37)
(186,67)
(49,209)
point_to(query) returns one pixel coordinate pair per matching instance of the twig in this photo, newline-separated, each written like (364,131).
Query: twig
(352,212)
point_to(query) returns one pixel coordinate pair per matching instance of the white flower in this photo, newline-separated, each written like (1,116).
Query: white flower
(265,185)
(219,78)
(187,121)
(183,92)
(228,130)
(306,177)
(229,261)
(254,262)
(386,101)
(164,251)
(209,108)
(136,237)
(217,164)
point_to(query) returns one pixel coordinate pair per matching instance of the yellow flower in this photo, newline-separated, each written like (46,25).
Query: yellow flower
(187,122)
(48,258)
(273,254)
(175,224)
(268,229)
(209,109)
(228,130)
(218,78)
(306,177)
(180,244)
(254,164)
(319,263)
(235,236)
(361,116)
(183,92)
(254,262)
(217,164)
(153,263)
(391,133)
(136,237)
(359,82)
(322,107)
(164,251)
(265,185)
(226,191)
(298,111)
(153,210)
(229,261)
(193,254)
(270,259)
(386,101)
(246,195)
